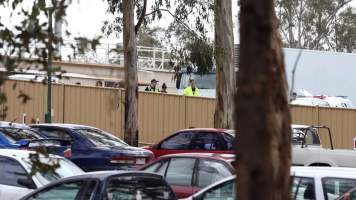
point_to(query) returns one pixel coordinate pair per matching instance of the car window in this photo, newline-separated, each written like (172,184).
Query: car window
(11,171)
(303,188)
(336,187)
(63,191)
(179,141)
(180,171)
(90,191)
(206,141)
(158,168)
(210,171)
(153,167)
(225,191)
(229,140)
(311,136)
(54,133)
(16,134)
(101,138)
(137,187)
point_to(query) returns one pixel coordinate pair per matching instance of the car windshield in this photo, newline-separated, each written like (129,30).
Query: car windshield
(206,81)
(16,134)
(66,169)
(101,138)
(138,187)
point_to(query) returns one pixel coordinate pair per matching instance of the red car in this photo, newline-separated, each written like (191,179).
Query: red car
(188,173)
(205,140)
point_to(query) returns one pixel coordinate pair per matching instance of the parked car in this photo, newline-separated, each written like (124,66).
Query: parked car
(94,149)
(109,185)
(188,173)
(15,167)
(13,134)
(20,136)
(224,190)
(322,183)
(196,140)
(308,151)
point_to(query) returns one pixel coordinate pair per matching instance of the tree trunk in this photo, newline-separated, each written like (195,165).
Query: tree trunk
(263,115)
(130,57)
(225,75)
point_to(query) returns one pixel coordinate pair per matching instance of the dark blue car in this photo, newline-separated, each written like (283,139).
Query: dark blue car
(111,185)
(94,149)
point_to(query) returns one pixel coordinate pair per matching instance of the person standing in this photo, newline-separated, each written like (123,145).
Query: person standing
(164,88)
(152,87)
(192,89)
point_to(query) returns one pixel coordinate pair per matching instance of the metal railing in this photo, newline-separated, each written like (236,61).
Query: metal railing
(149,58)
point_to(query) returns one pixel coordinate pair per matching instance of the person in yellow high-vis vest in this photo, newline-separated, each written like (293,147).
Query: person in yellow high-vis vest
(192,89)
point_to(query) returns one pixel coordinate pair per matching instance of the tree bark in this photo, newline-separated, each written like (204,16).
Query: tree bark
(130,57)
(263,115)
(225,75)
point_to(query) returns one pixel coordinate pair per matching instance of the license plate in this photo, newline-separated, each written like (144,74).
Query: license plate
(140,161)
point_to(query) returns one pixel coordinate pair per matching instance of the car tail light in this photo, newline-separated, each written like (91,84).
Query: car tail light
(67,153)
(123,160)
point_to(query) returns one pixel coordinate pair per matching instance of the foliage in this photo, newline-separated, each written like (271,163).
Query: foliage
(150,37)
(49,167)
(313,24)
(191,19)
(31,42)
(345,31)
(190,50)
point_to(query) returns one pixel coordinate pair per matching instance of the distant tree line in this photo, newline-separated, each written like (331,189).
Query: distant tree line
(317,24)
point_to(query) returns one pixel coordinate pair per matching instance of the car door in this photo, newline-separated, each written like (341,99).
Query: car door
(209,142)
(178,143)
(210,171)
(179,175)
(11,171)
(303,188)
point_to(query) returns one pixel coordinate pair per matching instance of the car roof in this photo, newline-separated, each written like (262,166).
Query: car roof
(324,172)
(226,157)
(207,129)
(300,126)
(5,124)
(102,175)
(19,154)
(70,126)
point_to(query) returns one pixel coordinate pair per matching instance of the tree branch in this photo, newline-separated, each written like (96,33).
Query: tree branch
(179,20)
(142,16)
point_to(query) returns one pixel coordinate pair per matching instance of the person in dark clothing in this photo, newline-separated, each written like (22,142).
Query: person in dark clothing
(164,88)
(152,87)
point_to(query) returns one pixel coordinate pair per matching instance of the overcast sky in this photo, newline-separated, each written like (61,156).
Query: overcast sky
(85,18)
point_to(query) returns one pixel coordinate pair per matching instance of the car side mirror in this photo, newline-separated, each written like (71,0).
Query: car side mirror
(26,182)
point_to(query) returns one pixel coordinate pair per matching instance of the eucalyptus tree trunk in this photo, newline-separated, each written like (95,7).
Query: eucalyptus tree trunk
(225,75)
(131,80)
(262,110)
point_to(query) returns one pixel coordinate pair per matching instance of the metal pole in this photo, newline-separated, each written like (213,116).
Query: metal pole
(48,117)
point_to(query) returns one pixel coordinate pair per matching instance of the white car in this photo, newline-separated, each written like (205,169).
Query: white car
(312,183)
(15,166)
(322,183)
